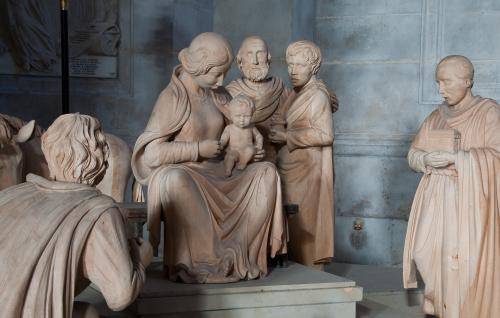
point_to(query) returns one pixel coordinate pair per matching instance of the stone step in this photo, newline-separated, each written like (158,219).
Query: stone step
(294,291)
(384,295)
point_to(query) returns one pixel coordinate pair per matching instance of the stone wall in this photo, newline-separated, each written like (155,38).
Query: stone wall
(152,33)
(379,57)
(278,22)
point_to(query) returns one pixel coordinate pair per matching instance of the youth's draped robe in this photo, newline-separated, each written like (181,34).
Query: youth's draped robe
(453,236)
(217,229)
(306,167)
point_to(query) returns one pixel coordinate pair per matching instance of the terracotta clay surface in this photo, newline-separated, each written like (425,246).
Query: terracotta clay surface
(305,161)
(267,92)
(217,229)
(59,235)
(20,151)
(21,154)
(453,236)
(241,136)
(115,180)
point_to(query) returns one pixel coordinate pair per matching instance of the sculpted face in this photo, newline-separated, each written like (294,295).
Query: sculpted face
(453,84)
(299,70)
(213,78)
(241,115)
(254,62)
(207,59)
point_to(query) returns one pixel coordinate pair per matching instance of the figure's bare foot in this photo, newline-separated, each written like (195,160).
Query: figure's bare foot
(227,173)
(227,265)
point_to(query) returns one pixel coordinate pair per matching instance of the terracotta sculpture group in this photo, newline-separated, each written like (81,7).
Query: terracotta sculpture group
(219,165)
(221,223)
(298,137)
(219,229)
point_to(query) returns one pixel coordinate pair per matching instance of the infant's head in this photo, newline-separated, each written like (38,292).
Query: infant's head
(241,109)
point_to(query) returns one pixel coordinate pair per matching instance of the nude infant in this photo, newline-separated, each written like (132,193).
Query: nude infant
(240,135)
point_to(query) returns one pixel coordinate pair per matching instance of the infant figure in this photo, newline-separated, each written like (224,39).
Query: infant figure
(240,135)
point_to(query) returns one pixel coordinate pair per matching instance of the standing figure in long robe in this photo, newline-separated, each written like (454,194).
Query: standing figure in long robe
(217,229)
(267,92)
(59,235)
(453,236)
(305,161)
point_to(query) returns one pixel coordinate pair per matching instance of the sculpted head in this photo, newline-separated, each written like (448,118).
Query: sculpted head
(75,149)
(241,109)
(254,58)
(304,60)
(207,59)
(455,77)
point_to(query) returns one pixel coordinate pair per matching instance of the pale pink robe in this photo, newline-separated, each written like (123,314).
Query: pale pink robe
(453,236)
(305,165)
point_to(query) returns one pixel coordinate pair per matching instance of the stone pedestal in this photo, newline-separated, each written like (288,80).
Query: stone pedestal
(294,291)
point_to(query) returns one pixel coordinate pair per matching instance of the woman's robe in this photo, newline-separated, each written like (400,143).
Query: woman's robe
(453,236)
(306,167)
(217,229)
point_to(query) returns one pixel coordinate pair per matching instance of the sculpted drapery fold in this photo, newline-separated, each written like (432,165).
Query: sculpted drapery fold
(306,166)
(64,225)
(453,237)
(171,111)
(217,229)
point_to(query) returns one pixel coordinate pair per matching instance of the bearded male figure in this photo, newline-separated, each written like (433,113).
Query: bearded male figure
(59,235)
(267,92)
(453,235)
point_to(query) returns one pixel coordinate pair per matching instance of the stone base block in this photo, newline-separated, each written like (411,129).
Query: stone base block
(293,291)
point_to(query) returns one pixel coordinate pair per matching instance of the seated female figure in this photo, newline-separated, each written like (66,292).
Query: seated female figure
(217,229)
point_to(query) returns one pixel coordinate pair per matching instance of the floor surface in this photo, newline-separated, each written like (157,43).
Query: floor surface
(383,292)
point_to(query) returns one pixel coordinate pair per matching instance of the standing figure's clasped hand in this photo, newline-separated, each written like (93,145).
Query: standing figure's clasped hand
(439,159)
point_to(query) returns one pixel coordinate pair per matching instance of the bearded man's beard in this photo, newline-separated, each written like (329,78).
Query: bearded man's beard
(255,73)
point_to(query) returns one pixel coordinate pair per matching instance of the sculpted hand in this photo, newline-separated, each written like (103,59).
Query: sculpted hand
(209,148)
(277,136)
(259,154)
(451,157)
(142,250)
(439,159)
